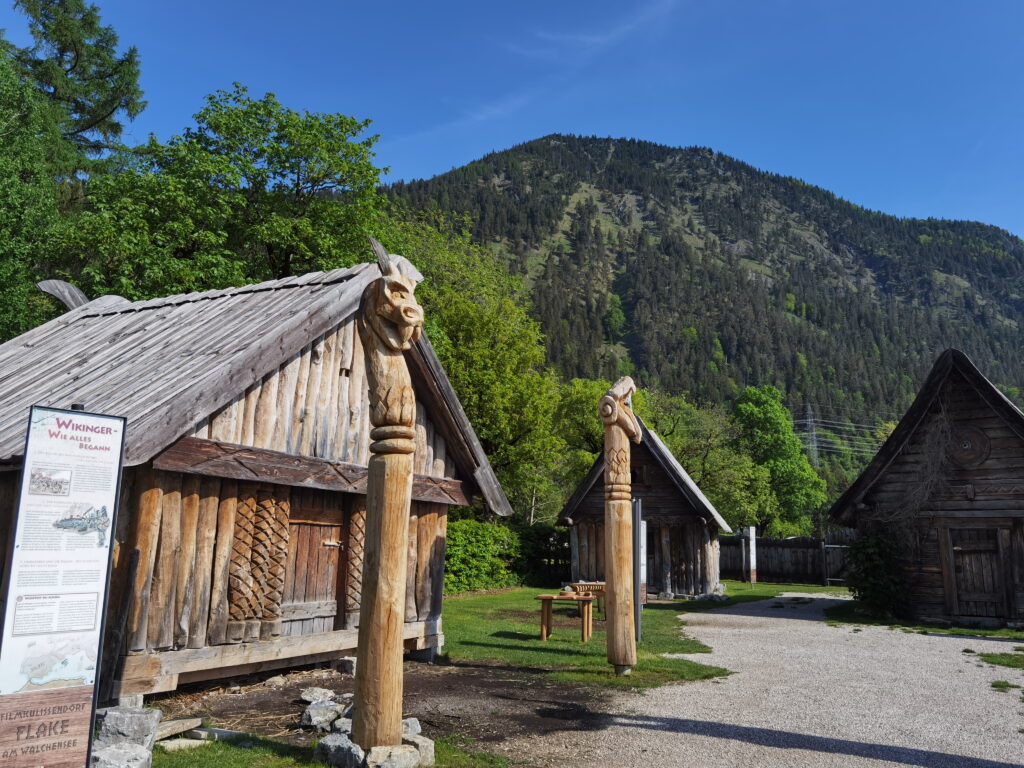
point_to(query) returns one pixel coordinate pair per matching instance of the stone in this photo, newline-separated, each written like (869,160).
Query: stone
(404,756)
(275,682)
(347,709)
(320,715)
(666,595)
(424,747)
(411,726)
(180,745)
(346,665)
(214,734)
(340,751)
(131,725)
(123,755)
(314,694)
(343,725)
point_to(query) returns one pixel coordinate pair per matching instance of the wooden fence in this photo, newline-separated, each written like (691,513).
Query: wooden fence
(802,560)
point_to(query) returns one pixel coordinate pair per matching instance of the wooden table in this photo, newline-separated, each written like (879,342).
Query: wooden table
(596,588)
(586,604)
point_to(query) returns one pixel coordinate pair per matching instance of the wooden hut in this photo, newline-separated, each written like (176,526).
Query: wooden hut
(949,484)
(682,525)
(240,536)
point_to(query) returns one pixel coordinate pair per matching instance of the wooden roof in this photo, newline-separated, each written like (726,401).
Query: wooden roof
(663,456)
(167,363)
(844,511)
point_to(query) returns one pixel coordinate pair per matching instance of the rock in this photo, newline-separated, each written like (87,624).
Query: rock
(124,755)
(314,694)
(339,750)
(404,756)
(666,595)
(343,725)
(234,689)
(424,747)
(347,709)
(275,682)
(174,726)
(179,745)
(214,734)
(411,726)
(320,715)
(346,665)
(128,725)
(346,696)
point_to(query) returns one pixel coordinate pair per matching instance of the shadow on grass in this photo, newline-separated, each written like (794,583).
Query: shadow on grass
(778,739)
(852,613)
(538,649)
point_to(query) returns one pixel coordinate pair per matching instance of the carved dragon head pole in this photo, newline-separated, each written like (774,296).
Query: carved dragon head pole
(616,408)
(390,322)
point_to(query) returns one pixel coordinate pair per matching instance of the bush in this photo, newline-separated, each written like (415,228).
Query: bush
(544,555)
(479,556)
(875,577)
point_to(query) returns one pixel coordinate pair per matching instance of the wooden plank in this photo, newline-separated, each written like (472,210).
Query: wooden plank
(411,554)
(316,360)
(1004,574)
(213,657)
(325,416)
(574,553)
(426,536)
(300,416)
(252,397)
(147,535)
(437,563)
(948,572)
(184,590)
(339,437)
(162,593)
(266,412)
(192,455)
(226,508)
(584,536)
(206,538)
(287,378)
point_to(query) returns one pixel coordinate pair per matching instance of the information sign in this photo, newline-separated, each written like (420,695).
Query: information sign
(56,587)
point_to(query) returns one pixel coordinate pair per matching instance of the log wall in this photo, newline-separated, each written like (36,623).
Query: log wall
(316,404)
(959,505)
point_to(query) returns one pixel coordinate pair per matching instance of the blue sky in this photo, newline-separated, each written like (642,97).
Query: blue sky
(912,108)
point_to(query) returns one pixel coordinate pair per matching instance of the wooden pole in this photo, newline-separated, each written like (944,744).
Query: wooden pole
(620,426)
(390,322)
(752,543)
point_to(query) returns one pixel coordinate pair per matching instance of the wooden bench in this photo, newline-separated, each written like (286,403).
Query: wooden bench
(586,604)
(595,588)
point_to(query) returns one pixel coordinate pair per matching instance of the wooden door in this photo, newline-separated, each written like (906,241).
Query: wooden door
(981,589)
(315,558)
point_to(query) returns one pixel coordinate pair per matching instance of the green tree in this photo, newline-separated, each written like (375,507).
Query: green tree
(767,436)
(28,202)
(74,61)
(255,191)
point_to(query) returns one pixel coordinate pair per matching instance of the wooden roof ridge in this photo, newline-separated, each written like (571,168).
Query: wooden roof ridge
(844,509)
(330,277)
(668,462)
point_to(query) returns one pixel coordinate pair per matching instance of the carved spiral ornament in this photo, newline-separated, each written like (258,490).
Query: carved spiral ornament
(968,447)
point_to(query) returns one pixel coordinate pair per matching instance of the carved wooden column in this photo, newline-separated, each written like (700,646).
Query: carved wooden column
(390,322)
(620,426)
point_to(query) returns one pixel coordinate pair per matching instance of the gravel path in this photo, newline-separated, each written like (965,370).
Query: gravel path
(805,694)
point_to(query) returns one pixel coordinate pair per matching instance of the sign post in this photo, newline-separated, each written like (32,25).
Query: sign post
(56,587)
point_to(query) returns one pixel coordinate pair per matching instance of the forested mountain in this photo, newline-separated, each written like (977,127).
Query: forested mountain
(696,272)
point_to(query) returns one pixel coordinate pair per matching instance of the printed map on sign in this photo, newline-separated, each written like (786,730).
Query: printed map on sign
(57,666)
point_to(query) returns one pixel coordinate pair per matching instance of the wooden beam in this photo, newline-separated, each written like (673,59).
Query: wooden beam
(214,458)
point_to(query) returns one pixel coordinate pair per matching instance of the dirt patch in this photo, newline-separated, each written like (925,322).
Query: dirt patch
(489,704)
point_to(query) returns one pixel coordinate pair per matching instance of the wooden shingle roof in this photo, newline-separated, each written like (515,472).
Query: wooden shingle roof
(668,462)
(844,511)
(167,363)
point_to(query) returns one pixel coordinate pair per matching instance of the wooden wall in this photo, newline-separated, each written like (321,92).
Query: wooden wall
(969,517)
(316,404)
(682,553)
(224,562)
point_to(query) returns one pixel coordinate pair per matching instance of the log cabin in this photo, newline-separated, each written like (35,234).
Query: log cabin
(239,539)
(682,525)
(949,484)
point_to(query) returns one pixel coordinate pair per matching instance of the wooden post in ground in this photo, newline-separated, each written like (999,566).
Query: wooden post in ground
(752,542)
(620,426)
(390,321)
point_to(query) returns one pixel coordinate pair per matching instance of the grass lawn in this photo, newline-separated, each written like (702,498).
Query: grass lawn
(504,628)
(851,613)
(1012,660)
(263,753)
